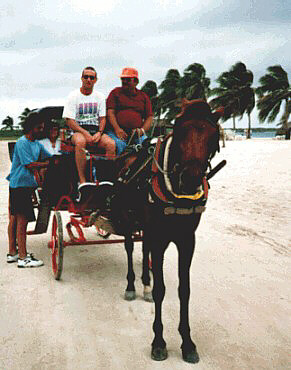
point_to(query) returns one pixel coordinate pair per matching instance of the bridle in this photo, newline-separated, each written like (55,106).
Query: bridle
(178,169)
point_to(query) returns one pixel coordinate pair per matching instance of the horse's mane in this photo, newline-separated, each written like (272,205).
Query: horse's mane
(194,109)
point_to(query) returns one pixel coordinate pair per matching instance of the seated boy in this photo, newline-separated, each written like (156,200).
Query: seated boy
(27,152)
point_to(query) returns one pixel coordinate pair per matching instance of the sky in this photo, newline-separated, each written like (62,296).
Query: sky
(45,44)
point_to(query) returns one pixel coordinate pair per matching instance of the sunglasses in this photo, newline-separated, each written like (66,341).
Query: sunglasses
(128,79)
(92,78)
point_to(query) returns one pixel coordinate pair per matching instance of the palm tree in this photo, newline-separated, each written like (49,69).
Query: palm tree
(246,93)
(168,97)
(235,93)
(7,123)
(249,94)
(274,89)
(194,84)
(150,88)
(23,115)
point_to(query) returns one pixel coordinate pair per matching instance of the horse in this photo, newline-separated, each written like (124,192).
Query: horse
(164,190)
(161,188)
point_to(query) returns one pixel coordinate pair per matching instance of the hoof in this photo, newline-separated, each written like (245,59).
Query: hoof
(192,357)
(129,295)
(159,354)
(147,296)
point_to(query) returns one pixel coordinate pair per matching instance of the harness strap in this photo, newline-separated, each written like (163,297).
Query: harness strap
(155,177)
(155,168)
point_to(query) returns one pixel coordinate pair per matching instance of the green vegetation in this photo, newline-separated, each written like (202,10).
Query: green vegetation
(274,89)
(234,92)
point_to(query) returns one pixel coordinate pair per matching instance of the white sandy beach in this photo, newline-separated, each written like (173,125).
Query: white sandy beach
(240,283)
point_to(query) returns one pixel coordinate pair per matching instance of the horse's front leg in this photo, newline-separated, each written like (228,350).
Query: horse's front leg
(186,250)
(159,349)
(147,290)
(130,289)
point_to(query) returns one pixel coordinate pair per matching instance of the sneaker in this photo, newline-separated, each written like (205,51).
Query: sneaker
(29,261)
(11,258)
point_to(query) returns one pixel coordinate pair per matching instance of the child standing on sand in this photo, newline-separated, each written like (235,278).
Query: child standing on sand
(27,152)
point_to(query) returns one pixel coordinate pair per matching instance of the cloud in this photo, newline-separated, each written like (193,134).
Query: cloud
(233,12)
(163,60)
(102,61)
(39,37)
(44,45)
(95,7)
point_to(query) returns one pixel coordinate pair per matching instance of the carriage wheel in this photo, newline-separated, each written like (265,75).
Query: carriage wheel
(57,245)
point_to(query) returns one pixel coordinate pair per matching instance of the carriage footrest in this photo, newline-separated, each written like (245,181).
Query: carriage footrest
(42,220)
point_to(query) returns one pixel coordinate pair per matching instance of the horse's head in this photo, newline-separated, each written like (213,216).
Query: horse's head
(195,141)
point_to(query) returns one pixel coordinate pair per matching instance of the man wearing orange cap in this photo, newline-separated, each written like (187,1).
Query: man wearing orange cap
(128,110)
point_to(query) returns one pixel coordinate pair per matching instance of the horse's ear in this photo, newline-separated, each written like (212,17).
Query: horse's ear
(218,114)
(185,102)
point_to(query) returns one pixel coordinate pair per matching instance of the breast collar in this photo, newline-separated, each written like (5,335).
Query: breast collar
(162,189)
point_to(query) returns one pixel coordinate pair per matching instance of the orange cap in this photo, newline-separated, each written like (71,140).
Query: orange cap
(129,72)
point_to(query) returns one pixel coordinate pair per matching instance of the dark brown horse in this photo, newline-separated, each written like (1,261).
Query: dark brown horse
(162,189)
(164,194)
(194,142)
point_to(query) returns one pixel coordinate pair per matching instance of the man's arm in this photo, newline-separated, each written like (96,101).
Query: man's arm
(121,134)
(147,123)
(148,114)
(99,133)
(102,124)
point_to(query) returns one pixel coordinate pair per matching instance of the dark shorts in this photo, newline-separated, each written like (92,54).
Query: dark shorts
(20,202)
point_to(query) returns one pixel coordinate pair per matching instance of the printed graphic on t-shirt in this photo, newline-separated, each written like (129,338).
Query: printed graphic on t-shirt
(88,116)
(87,108)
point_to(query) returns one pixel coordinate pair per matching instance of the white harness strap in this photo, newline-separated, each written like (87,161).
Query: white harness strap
(165,165)
(168,184)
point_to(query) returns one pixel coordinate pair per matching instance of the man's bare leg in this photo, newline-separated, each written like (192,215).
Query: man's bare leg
(108,144)
(80,145)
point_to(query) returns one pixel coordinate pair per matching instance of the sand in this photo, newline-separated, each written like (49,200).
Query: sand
(240,298)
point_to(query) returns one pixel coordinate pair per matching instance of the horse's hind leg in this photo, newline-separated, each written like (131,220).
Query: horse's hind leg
(147,292)
(186,249)
(130,289)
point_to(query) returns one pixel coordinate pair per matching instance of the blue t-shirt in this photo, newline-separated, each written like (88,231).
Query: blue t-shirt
(25,152)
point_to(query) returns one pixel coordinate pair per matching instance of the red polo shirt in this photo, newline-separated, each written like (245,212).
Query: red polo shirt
(130,110)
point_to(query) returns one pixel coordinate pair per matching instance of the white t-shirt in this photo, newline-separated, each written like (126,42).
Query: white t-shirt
(48,146)
(86,110)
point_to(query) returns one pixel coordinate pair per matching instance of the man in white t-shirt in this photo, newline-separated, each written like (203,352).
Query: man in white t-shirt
(85,113)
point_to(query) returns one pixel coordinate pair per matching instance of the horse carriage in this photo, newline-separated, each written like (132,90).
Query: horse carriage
(57,193)
(154,192)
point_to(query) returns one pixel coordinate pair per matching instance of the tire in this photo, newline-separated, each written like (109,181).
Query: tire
(57,245)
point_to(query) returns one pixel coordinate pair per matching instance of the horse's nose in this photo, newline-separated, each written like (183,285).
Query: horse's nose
(190,180)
